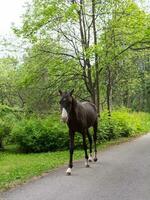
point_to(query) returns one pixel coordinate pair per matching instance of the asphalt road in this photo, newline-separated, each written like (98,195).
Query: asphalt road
(122,173)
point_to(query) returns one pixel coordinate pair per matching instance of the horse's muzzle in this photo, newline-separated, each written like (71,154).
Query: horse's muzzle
(64,119)
(64,115)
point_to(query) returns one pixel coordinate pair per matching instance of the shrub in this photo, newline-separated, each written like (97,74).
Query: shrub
(123,123)
(38,135)
(104,127)
(6,122)
(4,131)
(49,134)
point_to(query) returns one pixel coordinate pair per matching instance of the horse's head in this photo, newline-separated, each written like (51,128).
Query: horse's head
(66,104)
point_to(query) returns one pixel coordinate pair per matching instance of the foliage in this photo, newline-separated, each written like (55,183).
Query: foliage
(62,53)
(7,119)
(4,130)
(49,134)
(123,123)
(123,72)
(96,47)
(37,135)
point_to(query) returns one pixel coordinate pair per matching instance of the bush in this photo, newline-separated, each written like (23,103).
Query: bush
(4,131)
(39,135)
(104,127)
(7,119)
(123,123)
(49,134)
(42,135)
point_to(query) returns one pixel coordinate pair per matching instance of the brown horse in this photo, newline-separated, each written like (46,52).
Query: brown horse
(79,118)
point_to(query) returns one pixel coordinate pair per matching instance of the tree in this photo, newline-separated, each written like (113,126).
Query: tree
(75,25)
(41,75)
(124,31)
(95,36)
(7,80)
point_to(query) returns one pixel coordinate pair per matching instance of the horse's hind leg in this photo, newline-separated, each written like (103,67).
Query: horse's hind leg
(95,139)
(90,141)
(85,149)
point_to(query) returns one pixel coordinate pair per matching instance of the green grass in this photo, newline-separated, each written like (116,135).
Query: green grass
(17,168)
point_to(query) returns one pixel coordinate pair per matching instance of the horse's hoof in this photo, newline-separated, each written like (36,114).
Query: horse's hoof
(68,172)
(95,159)
(90,159)
(87,166)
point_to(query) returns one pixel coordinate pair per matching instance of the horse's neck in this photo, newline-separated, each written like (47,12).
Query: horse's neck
(73,113)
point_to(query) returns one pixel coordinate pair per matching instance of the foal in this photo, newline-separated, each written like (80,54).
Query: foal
(79,118)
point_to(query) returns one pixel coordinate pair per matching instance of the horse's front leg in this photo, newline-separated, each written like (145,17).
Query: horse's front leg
(71,149)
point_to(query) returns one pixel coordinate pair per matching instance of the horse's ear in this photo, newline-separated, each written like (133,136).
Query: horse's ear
(60,92)
(71,92)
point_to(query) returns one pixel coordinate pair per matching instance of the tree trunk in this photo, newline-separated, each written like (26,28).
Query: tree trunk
(109,92)
(87,76)
(109,101)
(96,58)
(1,144)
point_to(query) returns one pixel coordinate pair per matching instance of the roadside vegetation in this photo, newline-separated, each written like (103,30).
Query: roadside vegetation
(34,145)
(98,48)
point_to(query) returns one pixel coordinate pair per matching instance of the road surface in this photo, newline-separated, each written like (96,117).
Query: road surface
(122,173)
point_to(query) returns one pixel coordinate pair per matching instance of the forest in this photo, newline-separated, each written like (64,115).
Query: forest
(101,49)
(98,48)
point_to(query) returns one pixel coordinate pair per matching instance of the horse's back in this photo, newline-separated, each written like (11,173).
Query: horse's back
(90,107)
(91,112)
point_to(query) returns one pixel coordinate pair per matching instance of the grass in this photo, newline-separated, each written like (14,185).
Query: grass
(17,168)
